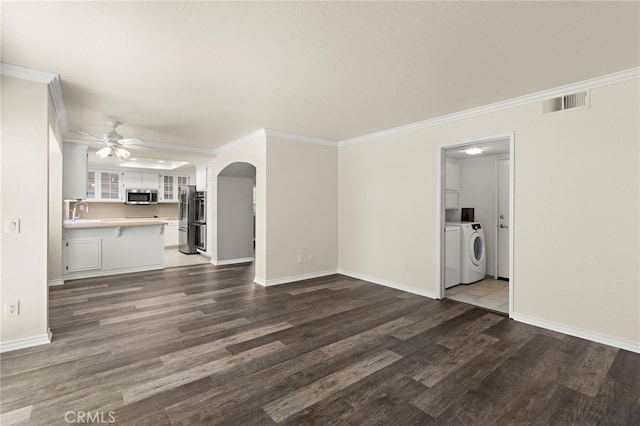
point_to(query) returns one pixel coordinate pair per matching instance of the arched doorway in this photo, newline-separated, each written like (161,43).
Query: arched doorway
(236,225)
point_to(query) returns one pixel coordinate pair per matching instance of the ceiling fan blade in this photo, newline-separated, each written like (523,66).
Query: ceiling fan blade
(138,147)
(131,141)
(90,135)
(82,141)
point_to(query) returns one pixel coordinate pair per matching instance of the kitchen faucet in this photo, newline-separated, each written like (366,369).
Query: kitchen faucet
(75,216)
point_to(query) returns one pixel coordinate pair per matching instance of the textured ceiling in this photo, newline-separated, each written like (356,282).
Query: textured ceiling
(203,74)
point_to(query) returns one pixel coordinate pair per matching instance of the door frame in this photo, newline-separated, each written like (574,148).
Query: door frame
(495,207)
(441,215)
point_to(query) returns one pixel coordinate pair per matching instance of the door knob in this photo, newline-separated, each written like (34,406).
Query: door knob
(504,226)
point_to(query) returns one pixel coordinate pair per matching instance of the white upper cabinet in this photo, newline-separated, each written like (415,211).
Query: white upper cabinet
(141,180)
(452,184)
(451,200)
(103,185)
(452,175)
(170,187)
(111,185)
(201,177)
(74,177)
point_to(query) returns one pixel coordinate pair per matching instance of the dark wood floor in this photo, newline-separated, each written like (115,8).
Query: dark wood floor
(203,345)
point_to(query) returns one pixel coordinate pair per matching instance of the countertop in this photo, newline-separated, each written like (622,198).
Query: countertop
(111,223)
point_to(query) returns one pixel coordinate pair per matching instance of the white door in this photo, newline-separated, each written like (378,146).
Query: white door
(503,218)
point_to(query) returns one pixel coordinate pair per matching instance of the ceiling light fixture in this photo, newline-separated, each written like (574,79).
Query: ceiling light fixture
(122,153)
(473,151)
(110,151)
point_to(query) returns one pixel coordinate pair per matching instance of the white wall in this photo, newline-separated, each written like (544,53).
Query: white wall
(235,218)
(477,190)
(23,260)
(254,152)
(302,209)
(56,205)
(296,200)
(54,264)
(576,236)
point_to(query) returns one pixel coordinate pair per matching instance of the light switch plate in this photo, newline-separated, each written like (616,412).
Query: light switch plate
(12,226)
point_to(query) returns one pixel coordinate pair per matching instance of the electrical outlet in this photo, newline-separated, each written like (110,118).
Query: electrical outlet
(12,308)
(300,258)
(312,257)
(405,266)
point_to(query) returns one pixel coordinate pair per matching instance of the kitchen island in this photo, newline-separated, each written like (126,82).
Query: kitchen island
(97,247)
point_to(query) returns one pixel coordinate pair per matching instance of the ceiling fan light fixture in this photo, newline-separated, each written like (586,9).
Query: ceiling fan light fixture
(122,153)
(104,152)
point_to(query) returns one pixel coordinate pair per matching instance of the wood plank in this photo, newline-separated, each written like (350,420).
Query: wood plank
(17,416)
(592,366)
(172,381)
(436,371)
(290,404)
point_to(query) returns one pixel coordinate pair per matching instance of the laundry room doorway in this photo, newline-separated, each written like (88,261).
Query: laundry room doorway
(476,206)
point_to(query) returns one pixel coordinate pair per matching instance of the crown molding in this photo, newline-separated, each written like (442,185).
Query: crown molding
(239,142)
(27,73)
(58,103)
(300,138)
(263,133)
(617,77)
(53,82)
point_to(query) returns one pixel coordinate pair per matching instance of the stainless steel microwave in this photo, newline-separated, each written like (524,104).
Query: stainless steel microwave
(141,196)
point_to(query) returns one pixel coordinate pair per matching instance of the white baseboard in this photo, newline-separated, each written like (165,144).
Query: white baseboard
(56,282)
(232,261)
(386,283)
(204,253)
(26,342)
(617,342)
(294,278)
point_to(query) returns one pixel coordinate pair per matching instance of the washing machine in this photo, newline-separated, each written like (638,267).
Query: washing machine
(473,253)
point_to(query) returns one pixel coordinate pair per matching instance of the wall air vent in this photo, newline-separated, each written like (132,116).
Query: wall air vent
(574,100)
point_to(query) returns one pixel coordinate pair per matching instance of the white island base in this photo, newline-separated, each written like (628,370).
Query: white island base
(107,247)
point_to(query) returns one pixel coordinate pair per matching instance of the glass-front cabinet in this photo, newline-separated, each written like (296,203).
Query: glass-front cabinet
(182,181)
(109,185)
(91,185)
(103,185)
(170,187)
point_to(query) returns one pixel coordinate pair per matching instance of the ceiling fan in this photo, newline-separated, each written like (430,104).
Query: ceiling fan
(115,143)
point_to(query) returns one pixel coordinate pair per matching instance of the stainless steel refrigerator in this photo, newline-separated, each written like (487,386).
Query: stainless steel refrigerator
(187,220)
